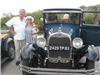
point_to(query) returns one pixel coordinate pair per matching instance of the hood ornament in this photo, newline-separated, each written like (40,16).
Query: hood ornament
(59,29)
(71,31)
(51,31)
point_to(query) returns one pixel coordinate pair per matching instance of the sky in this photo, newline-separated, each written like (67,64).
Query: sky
(13,6)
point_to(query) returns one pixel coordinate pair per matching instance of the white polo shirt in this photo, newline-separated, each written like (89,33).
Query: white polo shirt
(19,27)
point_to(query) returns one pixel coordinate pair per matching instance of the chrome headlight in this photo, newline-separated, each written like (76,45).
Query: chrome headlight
(41,42)
(77,43)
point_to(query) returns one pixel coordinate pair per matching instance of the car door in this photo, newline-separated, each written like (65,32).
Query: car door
(90,31)
(91,35)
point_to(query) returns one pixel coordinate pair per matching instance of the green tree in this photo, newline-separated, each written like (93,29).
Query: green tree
(89,18)
(37,15)
(4,20)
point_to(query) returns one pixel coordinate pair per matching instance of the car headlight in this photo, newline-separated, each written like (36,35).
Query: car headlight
(77,43)
(41,42)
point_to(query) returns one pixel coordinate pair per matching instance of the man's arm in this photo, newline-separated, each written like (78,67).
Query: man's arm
(10,24)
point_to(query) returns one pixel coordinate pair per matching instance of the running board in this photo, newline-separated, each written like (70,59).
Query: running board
(3,60)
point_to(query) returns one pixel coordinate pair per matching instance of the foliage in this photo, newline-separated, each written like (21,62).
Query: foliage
(89,18)
(4,20)
(37,15)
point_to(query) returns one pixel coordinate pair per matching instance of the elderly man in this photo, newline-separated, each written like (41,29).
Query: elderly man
(17,28)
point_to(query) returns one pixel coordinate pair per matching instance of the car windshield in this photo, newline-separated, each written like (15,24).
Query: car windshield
(72,18)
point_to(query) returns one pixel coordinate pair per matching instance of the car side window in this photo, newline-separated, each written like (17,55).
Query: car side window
(51,18)
(91,18)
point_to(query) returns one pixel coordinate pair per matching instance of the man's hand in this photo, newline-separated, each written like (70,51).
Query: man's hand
(13,32)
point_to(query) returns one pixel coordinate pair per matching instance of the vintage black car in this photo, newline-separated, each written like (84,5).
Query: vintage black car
(67,44)
(7,46)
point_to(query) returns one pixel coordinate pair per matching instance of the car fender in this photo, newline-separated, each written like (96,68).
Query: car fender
(9,40)
(27,51)
(93,53)
(83,60)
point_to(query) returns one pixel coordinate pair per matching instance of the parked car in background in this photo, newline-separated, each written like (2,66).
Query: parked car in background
(7,46)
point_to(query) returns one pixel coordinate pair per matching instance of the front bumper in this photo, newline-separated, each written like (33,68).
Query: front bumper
(51,71)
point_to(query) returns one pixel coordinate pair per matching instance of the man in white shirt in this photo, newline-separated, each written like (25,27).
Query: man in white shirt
(17,28)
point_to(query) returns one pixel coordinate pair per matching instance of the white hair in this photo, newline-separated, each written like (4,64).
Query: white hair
(29,17)
(66,16)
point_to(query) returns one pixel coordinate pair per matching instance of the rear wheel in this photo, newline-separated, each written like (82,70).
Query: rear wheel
(11,51)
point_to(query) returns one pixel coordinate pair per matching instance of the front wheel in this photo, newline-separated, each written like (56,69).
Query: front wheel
(30,63)
(90,65)
(26,63)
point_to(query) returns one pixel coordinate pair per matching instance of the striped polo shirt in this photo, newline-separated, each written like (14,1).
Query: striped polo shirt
(29,38)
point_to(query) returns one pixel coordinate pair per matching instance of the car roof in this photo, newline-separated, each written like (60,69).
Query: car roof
(62,10)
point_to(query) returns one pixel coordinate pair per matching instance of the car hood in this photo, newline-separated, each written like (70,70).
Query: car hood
(72,30)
